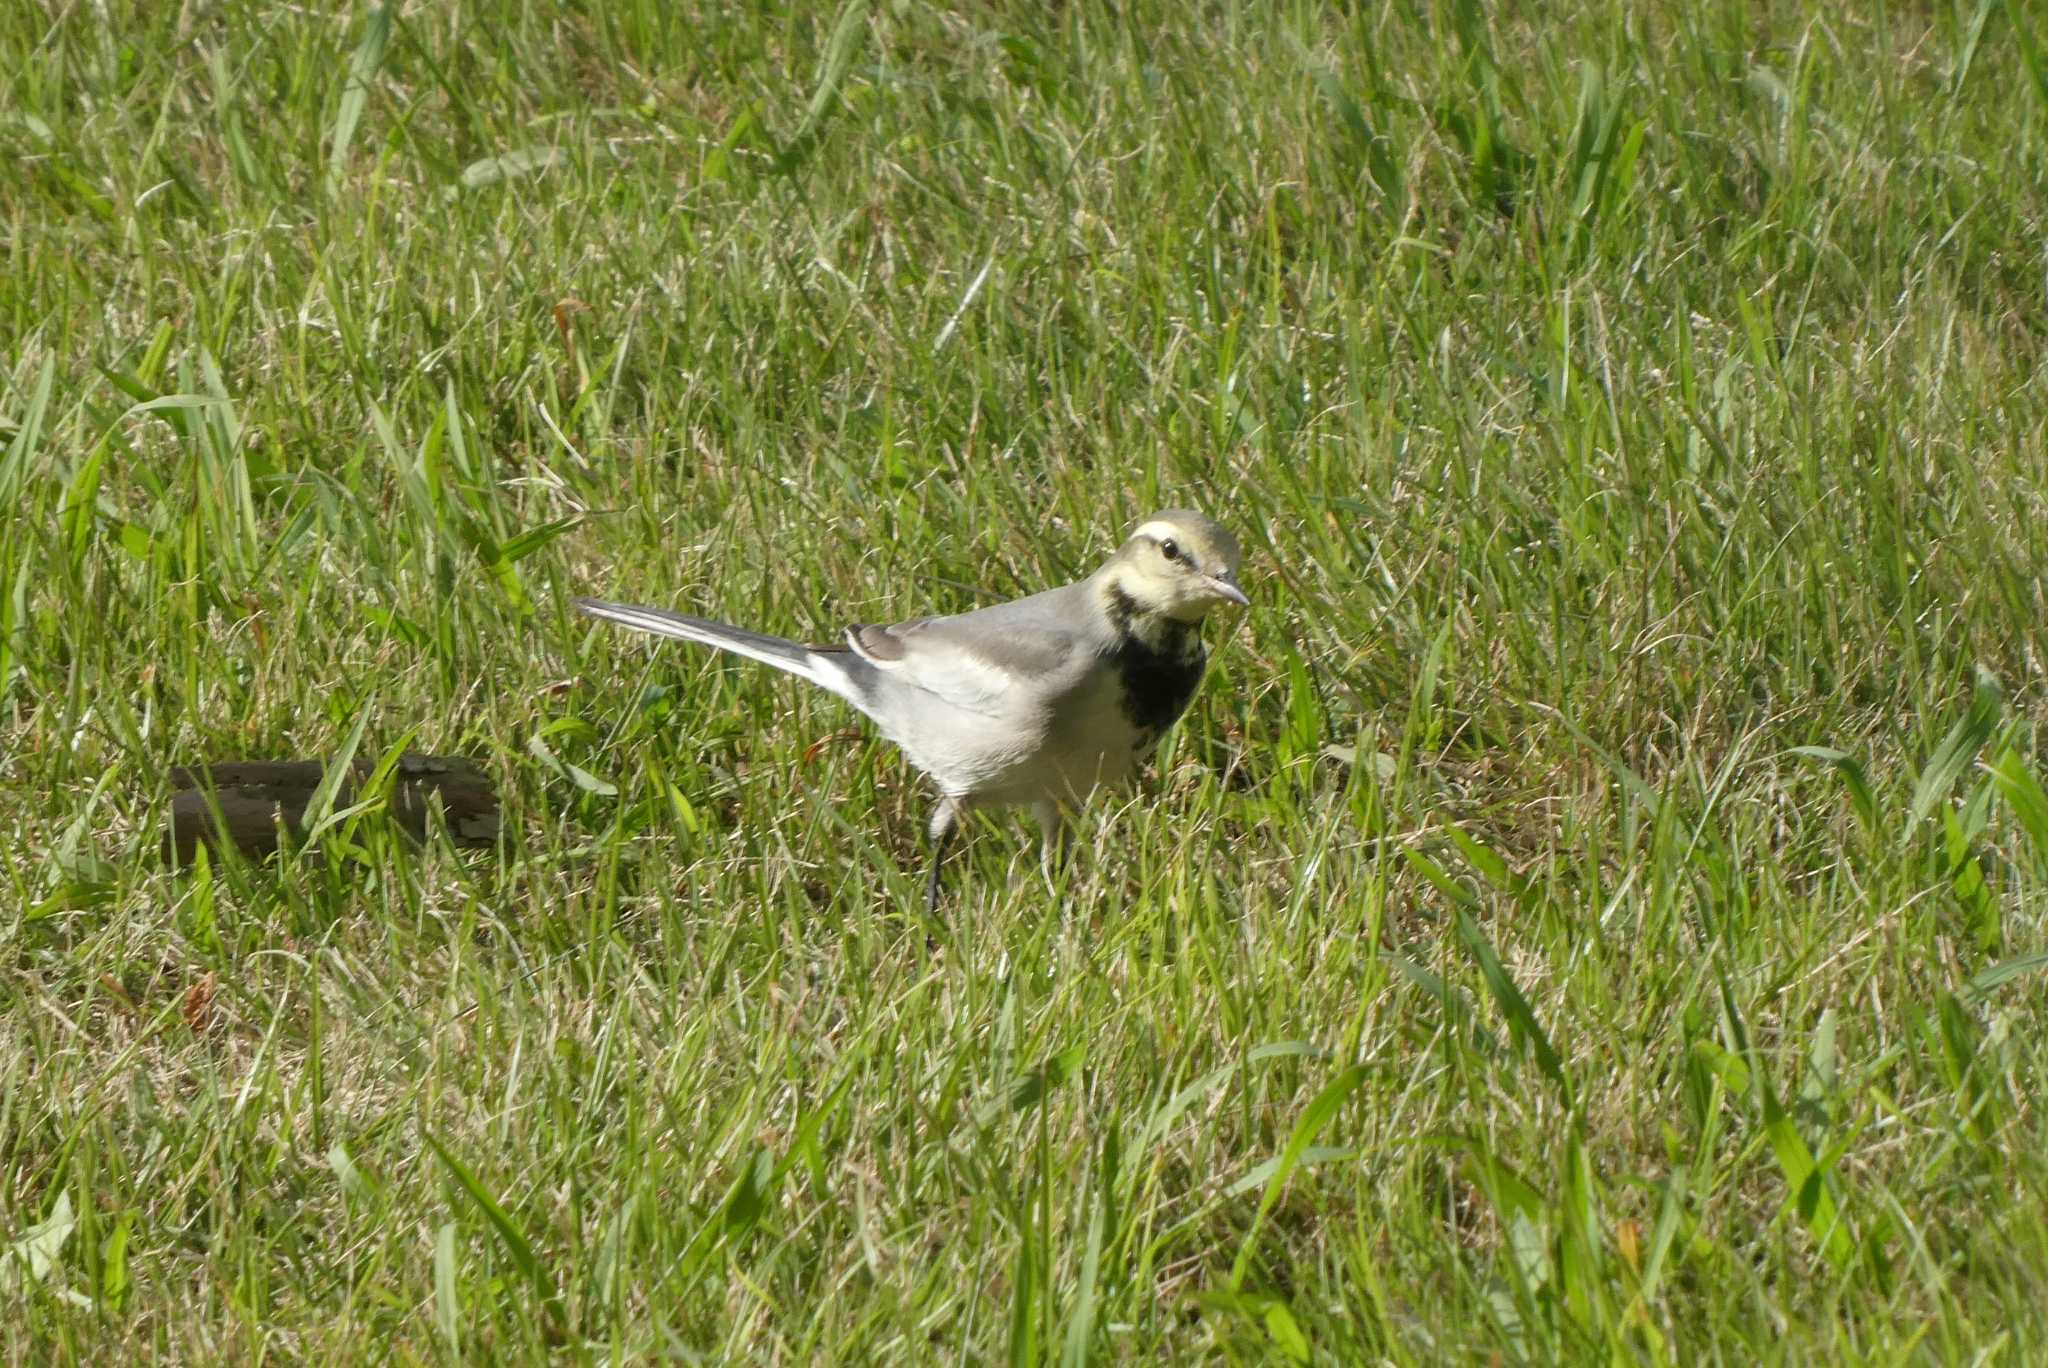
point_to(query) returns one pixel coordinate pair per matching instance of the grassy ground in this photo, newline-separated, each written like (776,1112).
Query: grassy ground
(1613,404)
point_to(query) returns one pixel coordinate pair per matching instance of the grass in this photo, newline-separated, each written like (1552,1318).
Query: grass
(1594,910)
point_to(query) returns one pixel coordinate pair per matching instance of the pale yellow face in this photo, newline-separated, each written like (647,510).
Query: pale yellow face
(1181,564)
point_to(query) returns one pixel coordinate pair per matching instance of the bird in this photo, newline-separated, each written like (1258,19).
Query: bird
(1035,702)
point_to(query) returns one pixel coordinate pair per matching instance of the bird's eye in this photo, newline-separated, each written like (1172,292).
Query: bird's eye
(1170,549)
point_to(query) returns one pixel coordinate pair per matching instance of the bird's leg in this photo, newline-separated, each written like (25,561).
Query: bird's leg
(945,821)
(1057,839)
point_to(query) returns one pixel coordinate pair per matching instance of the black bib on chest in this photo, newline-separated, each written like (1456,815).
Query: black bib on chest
(1156,680)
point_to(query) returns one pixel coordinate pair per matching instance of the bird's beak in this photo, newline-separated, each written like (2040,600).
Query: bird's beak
(1224,586)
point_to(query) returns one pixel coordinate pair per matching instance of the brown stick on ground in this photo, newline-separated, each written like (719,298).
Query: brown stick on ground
(253,794)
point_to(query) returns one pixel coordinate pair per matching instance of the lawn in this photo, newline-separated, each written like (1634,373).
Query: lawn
(1596,908)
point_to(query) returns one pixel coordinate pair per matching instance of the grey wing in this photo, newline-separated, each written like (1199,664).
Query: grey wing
(993,660)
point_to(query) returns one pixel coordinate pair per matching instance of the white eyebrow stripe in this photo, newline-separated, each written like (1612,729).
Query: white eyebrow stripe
(1157,531)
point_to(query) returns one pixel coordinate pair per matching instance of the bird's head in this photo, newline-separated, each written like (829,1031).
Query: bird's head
(1178,564)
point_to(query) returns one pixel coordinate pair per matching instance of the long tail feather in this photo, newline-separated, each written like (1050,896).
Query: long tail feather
(791,656)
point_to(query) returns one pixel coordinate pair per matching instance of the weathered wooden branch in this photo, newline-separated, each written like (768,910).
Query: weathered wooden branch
(253,795)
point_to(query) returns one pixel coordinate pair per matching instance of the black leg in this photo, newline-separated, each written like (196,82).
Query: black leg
(931,890)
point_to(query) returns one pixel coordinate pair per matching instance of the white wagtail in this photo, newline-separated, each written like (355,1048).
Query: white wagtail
(1032,702)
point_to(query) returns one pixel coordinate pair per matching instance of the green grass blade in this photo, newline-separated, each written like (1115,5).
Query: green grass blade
(2030,51)
(1861,798)
(2004,972)
(320,810)
(355,91)
(1513,1005)
(840,50)
(514,1242)
(1321,1110)
(2023,793)
(1953,757)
